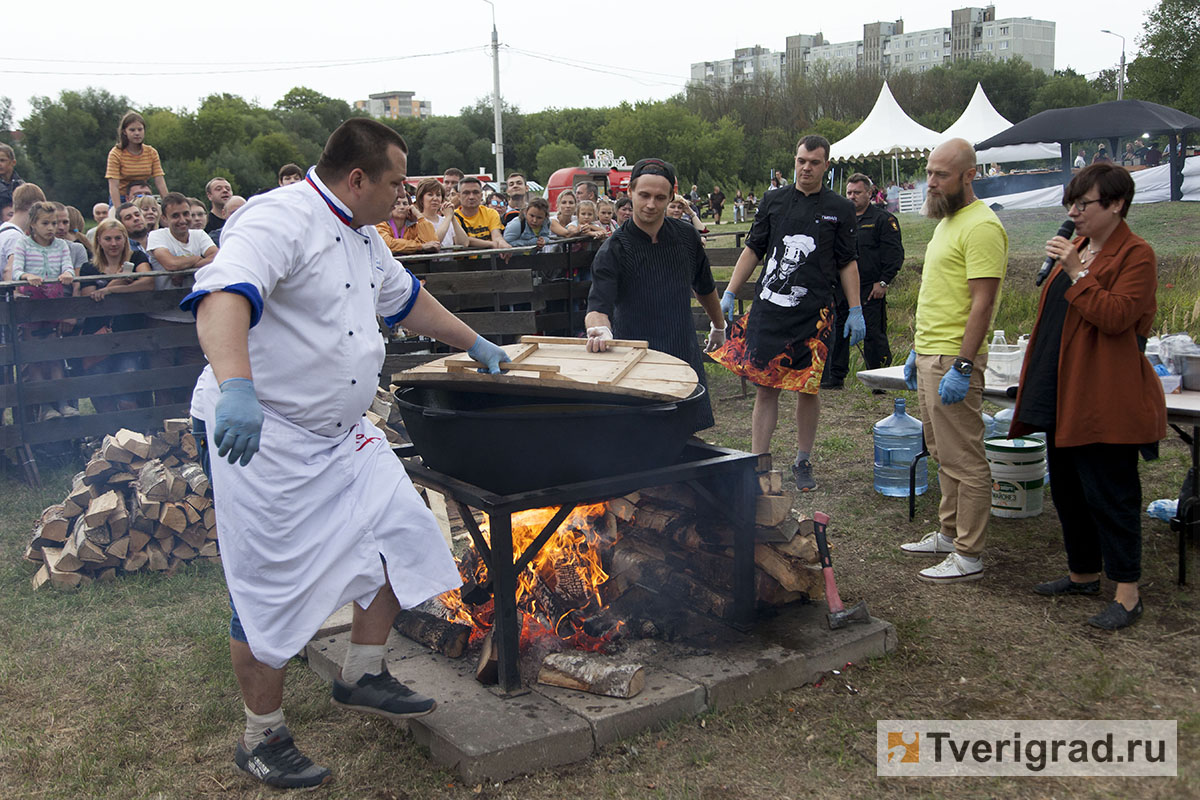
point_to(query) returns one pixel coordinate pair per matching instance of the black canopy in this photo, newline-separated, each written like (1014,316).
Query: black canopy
(1125,119)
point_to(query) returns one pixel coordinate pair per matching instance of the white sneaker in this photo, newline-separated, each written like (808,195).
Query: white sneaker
(932,545)
(953,569)
(70,411)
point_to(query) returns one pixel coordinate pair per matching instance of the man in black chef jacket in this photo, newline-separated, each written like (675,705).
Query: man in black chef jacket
(807,234)
(644,277)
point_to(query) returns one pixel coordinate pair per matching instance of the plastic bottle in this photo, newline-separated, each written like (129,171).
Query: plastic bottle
(998,339)
(898,440)
(1163,509)
(1003,420)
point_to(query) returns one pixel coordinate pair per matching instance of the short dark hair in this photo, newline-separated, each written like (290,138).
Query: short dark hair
(592,188)
(539,202)
(359,143)
(196,201)
(137,182)
(515,174)
(125,207)
(858,177)
(471,180)
(813,142)
(290,169)
(622,202)
(455,171)
(174,199)
(1112,183)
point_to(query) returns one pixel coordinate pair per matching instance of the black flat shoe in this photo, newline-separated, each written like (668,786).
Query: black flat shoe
(1116,616)
(1067,586)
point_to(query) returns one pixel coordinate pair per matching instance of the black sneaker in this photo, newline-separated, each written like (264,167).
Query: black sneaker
(802,472)
(827,385)
(276,762)
(1065,585)
(383,696)
(1116,616)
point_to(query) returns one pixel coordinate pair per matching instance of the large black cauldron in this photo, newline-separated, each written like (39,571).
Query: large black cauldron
(514,443)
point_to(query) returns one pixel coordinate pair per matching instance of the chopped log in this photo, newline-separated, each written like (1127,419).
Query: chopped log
(183,550)
(99,535)
(770,482)
(197,481)
(121,479)
(65,559)
(803,547)
(113,453)
(783,532)
(187,444)
(209,550)
(622,509)
(650,519)
(445,637)
(153,481)
(764,463)
(487,668)
(672,496)
(173,517)
(101,508)
(210,518)
(170,439)
(41,577)
(162,532)
(157,559)
(159,447)
(587,672)
(195,535)
(119,548)
(793,574)
(118,522)
(136,561)
(131,442)
(770,510)
(97,471)
(77,498)
(53,526)
(770,593)
(199,501)
(193,516)
(177,424)
(171,460)
(90,543)
(62,579)
(107,574)
(144,512)
(138,540)
(34,554)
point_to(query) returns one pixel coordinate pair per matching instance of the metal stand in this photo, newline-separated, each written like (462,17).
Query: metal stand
(1186,521)
(912,477)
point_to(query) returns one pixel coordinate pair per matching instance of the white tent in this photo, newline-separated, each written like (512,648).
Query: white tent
(981,121)
(887,131)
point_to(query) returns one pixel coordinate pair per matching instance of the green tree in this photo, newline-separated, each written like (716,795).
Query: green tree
(555,156)
(328,111)
(1166,68)
(1065,89)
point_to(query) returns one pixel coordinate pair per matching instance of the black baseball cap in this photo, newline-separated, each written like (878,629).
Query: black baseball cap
(653,166)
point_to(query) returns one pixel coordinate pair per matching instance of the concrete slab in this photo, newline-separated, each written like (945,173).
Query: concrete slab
(338,622)
(665,698)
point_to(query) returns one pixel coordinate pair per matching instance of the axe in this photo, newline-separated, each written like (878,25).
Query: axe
(839,617)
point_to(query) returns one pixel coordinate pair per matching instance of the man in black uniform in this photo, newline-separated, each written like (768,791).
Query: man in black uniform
(880,254)
(645,275)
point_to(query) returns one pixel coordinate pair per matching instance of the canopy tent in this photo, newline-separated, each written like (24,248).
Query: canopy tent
(1120,119)
(887,131)
(981,120)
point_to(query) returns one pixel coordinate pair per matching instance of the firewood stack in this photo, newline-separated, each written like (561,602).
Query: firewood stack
(141,503)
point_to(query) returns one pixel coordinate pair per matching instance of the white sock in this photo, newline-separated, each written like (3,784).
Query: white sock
(972,560)
(260,726)
(362,659)
(946,539)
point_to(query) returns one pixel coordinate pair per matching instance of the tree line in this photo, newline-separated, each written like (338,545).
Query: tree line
(729,136)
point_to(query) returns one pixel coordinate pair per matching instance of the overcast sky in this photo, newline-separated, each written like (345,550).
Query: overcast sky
(553,53)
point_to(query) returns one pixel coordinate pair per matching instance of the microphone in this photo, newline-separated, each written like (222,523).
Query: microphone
(1065,231)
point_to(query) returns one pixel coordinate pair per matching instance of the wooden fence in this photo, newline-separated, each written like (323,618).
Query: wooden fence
(530,293)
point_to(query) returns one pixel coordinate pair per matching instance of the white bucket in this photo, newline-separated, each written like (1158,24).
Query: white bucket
(1018,476)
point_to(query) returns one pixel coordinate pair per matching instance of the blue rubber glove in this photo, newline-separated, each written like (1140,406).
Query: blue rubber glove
(953,387)
(727,303)
(856,327)
(910,370)
(488,354)
(239,421)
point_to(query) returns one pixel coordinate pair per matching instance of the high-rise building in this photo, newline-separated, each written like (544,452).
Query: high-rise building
(747,64)
(394,105)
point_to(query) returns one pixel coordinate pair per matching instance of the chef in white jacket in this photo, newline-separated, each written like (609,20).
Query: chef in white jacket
(313,509)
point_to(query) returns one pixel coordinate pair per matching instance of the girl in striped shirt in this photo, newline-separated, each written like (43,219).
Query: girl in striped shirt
(132,158)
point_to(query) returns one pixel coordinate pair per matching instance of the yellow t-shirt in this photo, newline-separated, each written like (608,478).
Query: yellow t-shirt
(482,224)
(971,244)
(125,167)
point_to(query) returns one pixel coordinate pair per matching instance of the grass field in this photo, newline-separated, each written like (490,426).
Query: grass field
(123,690)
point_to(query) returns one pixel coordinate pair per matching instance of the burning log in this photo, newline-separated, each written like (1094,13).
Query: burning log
(487,668)
(439,634)
(585,672)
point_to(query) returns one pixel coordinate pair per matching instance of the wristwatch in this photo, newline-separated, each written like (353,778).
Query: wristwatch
(963,367)
(883,284)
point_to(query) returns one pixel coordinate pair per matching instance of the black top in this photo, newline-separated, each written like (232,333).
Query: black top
(880,248)
(807,239)
(646,290)
(7,186)
(1039,403)
(716,200)
(214,223)
(122,322)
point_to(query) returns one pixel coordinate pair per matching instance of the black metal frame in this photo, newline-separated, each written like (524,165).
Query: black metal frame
(1186,521)
(725,478)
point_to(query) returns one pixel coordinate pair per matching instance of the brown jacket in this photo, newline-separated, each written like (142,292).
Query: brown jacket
(1107,390)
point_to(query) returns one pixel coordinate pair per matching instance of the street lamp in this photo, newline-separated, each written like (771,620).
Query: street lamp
(1121,74)
(496,97)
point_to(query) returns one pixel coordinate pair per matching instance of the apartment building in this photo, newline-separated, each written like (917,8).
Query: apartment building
(394,105)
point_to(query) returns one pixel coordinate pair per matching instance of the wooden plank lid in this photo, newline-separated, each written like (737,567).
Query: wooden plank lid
(562,366)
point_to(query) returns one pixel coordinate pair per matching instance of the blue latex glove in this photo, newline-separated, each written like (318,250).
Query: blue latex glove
(910,370)
(239,421)
(856,327)
(953,387)
(488,354)
(727,303)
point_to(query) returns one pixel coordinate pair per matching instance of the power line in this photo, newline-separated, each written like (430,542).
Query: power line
(590,68)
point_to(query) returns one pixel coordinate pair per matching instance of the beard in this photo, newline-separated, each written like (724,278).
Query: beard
(940,206)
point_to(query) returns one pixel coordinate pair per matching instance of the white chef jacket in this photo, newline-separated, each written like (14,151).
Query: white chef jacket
(303,525)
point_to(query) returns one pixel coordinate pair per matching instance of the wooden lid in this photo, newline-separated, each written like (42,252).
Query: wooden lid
(562,366)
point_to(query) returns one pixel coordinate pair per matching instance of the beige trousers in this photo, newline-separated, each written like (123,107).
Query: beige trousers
(954,435)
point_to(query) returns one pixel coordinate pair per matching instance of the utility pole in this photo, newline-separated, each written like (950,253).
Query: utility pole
(496,107)
(1120,75)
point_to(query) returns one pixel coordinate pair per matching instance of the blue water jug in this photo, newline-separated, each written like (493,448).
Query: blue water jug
(898,440)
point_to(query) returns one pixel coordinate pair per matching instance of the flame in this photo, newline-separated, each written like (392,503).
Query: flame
(735,356)
(558,590)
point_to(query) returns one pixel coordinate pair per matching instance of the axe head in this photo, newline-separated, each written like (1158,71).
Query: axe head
(840,619)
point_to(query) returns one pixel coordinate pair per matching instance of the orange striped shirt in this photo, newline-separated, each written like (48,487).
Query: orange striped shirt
(125,167)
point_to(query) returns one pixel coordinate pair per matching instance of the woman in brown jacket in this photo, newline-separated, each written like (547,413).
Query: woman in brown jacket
(1087,384)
